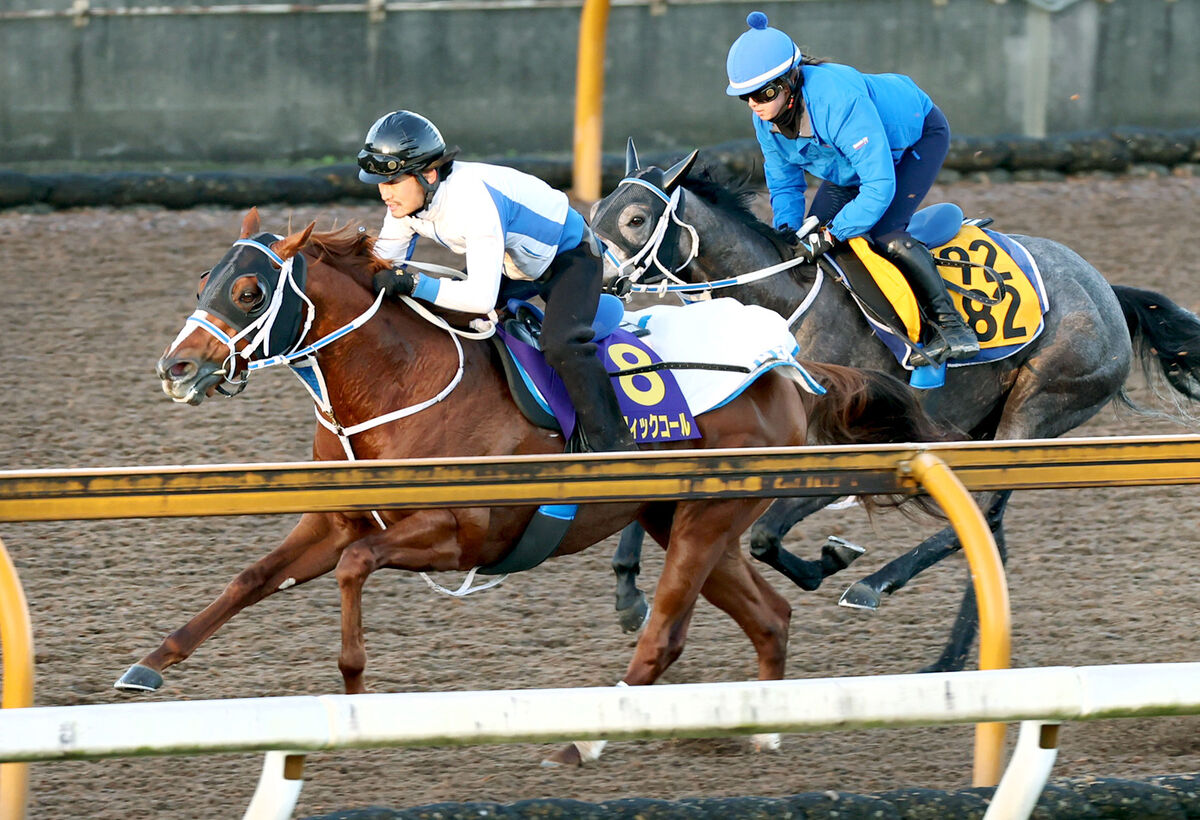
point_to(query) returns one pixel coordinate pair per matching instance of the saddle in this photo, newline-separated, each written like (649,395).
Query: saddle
(533,385)
(991,279)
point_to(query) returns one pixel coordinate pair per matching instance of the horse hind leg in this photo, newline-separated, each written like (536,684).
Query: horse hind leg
(764,616)
(632,607)
(766,543)
(966,624)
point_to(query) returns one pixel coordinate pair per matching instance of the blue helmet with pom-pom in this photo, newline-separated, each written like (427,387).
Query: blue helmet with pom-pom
(759,56)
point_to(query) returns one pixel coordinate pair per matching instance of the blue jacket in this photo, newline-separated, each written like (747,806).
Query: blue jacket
(860,125)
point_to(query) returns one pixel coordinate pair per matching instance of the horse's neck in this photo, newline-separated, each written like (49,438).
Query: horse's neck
(828,328)
(395,360)
(728,249)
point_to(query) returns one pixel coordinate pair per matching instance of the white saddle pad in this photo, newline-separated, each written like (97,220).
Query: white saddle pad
(721,331)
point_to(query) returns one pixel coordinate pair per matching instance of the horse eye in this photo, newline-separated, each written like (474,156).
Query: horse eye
(251,298)
(637,221)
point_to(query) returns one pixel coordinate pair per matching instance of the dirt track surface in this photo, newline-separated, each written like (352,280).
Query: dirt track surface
(91,298)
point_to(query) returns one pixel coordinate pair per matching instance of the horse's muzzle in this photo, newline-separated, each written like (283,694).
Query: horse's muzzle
(186,380)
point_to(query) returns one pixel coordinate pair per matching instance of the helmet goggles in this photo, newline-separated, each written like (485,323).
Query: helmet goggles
(768,93)
(384,165)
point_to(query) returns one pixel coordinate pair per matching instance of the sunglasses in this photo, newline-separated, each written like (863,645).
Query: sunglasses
(765,94)
(381,164)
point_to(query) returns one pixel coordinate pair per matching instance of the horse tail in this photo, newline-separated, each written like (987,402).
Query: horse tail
(866,407)
(870,407)
(1166,340)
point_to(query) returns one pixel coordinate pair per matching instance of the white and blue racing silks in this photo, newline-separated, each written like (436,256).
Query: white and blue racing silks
(506,223)
(856,127)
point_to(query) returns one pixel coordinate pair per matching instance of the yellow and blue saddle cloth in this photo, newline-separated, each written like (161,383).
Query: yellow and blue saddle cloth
(890,308)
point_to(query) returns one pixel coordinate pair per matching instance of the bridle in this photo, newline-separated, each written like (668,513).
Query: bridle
(668,279)
(260,333)
(665,236)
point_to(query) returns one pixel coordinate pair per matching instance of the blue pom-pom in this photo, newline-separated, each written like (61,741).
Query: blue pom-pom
(756,19)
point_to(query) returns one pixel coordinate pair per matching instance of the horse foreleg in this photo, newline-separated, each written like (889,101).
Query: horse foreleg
(309,551)
(868,593)
(423,541)
(766,542)
(632,607)
(356,563)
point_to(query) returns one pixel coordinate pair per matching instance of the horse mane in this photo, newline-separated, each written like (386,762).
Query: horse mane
(733,200)
(350,249)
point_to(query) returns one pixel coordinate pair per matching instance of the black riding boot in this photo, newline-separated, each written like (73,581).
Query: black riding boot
(597,413)
(571,293)
(952,339)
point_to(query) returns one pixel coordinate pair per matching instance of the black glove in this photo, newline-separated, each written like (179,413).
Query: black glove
(816,244)
(395,283)
(789,235)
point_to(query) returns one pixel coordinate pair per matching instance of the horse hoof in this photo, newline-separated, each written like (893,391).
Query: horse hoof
(566,756)
(860,596)
(766,742)
(139,678)
(634,617)
(841,552)
(943,665)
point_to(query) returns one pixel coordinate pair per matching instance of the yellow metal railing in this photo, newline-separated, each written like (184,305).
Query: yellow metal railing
(256,489)
(991,595)
(16,643)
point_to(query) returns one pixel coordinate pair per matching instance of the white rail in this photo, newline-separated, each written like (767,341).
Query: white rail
(326,722)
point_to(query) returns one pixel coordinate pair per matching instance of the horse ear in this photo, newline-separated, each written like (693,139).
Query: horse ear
(631,160)
(678,172)
(289,246)
(251,224)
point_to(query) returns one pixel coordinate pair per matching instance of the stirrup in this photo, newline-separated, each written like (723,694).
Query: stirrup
(958,340)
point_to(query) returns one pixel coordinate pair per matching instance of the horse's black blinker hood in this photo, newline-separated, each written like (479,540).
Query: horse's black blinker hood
(245,260)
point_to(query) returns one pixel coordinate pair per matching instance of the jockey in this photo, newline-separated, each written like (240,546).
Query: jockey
(877,143)
(508,224)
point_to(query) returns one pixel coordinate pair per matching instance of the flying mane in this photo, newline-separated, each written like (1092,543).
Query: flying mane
(733,200)
(350,249)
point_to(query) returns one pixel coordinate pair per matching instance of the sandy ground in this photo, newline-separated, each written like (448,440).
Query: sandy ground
(90,299)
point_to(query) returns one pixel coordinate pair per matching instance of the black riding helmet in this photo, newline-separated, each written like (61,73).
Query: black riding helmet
(404,142)
(401,142)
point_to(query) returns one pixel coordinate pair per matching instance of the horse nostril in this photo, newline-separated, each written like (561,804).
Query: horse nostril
(177,370)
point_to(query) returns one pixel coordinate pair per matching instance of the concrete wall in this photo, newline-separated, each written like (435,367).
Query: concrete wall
(195,88)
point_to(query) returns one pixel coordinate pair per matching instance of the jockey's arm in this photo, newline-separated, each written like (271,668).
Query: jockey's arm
(786,185)
(858,133)
(477,293)
(396,241)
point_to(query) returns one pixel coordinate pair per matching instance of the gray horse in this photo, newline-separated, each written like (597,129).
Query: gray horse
(1078,364)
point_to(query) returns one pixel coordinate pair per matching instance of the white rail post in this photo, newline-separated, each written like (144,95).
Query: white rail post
(278,787)
(1027,772)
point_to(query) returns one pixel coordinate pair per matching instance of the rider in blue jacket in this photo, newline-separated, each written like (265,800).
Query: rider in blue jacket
(510,226)
(877,143)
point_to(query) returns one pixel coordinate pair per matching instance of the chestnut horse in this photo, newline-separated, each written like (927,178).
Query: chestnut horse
(255,312)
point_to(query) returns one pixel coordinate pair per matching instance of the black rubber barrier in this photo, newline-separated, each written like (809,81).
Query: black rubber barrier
(998,158)
(1165,797)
